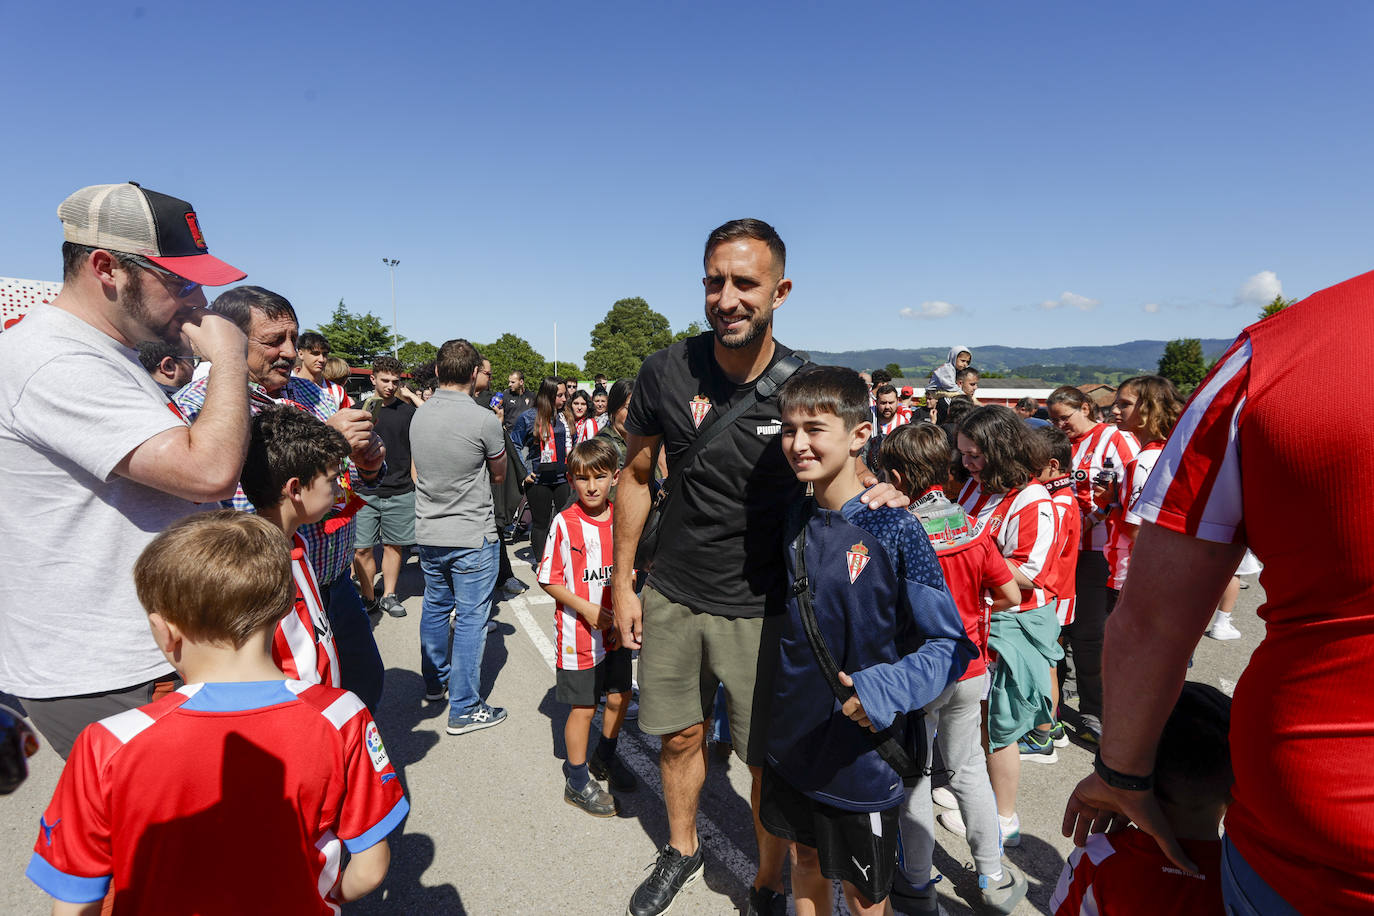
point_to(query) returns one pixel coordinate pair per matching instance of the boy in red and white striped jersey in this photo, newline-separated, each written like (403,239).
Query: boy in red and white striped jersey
(291,476)
(576,573)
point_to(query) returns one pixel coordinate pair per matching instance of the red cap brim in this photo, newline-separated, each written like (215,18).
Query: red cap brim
(205,269)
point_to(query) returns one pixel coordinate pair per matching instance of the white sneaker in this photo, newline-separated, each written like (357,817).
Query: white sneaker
(1011,826)
(1221,627)
(944,797)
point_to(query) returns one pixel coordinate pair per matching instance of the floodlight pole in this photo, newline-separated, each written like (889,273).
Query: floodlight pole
(391,266)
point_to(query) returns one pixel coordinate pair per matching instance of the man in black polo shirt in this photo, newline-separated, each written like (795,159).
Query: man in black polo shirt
(389,516)
(719,581)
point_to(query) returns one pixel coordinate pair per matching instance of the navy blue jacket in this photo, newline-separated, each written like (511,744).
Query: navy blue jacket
(883,608)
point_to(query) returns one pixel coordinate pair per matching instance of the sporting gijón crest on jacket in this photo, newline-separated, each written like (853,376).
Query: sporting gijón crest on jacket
(888,620)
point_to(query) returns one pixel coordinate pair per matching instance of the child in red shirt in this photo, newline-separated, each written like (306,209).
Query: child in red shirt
(917,459)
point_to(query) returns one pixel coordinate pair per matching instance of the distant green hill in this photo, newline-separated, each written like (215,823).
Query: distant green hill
(1133,356)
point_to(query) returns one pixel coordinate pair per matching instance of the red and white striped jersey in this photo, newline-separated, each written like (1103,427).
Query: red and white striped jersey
(1089,450)
(1063,570)
(303,644)
(1117,550)
(901,418)
(578,556)
(1125,874)
(1022,523)
(587,428)
(241,794)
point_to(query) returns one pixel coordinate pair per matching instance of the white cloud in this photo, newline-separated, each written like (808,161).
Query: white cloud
(1259,289)
(931,309)
(1151,307)
(1071,300)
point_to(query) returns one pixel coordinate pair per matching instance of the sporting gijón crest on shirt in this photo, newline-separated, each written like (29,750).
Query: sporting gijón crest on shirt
(700,407)
(578,557)
(857,558)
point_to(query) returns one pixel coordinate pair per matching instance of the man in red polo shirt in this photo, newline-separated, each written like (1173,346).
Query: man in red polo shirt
(1298,835)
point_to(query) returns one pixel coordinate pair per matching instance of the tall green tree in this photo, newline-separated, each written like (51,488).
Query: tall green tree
(358,338)
(415,352)
(1182,363)
(629,332)
(1274,306)
(511,352)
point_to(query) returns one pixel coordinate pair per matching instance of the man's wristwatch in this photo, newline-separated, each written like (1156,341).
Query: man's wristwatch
(1119,780)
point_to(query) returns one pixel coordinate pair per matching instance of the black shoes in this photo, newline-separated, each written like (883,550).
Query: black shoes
(616,773)
(672,872)
(764,901)
(593,799)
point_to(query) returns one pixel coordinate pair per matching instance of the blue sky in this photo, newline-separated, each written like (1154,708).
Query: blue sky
(986,173)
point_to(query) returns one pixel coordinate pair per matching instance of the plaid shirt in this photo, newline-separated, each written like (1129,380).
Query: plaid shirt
(331,553)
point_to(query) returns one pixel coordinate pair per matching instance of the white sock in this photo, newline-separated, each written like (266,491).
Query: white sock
(993,879)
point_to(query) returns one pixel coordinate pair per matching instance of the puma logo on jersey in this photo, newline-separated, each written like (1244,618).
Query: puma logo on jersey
(860,867)
(770,430)
(48,828)
(602,575)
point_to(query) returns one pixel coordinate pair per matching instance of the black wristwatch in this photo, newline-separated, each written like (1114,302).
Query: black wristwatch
(1122,780)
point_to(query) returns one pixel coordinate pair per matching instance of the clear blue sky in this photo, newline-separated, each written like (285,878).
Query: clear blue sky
(1152,172)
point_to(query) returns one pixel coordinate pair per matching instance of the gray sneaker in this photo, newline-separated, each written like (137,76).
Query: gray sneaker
(483,716)
(593,799)
(392,605)
(1008,892)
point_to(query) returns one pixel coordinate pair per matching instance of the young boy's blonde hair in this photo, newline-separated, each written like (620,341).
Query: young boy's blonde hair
(219,577)
(592,455)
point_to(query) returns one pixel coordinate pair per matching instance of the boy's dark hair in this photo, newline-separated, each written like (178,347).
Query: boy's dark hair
(387,364)
(619,395)
(591,455)
(287,442)
(239,303)
(749,229)
(961,374)
(1003,439)
(151,353)
(958,407)
(1027,404)
(1193,762)
(884,388)
(880,377)
(1057,446)
(457,362)
(827,389)
(220,576)
(310,341)
(920,453)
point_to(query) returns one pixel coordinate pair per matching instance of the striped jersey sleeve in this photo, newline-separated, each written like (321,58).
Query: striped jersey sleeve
(1027,539)
(303,643)
(1076,894)
(1195,487)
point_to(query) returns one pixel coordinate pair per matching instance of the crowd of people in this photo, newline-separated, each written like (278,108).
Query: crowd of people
(903,587)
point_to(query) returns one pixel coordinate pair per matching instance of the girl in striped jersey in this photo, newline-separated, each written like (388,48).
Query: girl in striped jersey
(1003,499)
(584,421)
(1096,446)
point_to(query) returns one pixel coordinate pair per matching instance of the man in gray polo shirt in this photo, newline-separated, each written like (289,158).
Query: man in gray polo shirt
(453,442)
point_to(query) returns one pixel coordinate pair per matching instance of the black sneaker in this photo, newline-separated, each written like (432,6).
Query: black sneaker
(764,901)
(621,778)
(593,799)
(672,872)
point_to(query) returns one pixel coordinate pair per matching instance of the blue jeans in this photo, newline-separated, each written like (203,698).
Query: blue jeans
(1244,891)
(456,578)
(360,664)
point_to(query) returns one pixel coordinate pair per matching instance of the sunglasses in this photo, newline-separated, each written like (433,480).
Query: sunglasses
(183,286)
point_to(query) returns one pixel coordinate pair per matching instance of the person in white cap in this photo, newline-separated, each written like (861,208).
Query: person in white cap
(94,458)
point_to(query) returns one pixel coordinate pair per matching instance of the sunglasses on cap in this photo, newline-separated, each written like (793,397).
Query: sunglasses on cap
(184,287)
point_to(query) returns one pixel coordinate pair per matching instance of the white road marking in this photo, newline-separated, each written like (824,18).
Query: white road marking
(641,756)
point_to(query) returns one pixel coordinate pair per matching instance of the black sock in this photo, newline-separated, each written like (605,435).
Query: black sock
(578,776)
(605,750)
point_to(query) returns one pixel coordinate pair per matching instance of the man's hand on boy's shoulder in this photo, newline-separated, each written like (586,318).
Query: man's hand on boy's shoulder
(882,495)
(854,707)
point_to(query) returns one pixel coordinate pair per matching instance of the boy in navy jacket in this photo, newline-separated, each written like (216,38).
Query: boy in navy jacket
(890,624)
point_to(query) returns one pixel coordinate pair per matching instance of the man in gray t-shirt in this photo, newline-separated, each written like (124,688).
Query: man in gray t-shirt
(453,444)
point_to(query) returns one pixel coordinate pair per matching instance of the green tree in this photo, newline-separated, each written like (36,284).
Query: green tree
(415,352)
(629,332)
(894,370)
(358,338)
(1275,305)
(509,353)
(1182,363)
(692,330)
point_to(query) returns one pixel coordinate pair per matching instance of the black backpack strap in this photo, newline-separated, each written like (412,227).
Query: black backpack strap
(888,747)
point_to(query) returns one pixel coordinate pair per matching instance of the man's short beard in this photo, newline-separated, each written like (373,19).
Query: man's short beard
(136,307)
(752,331)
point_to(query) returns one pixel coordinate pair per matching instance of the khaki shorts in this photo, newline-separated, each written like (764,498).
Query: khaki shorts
(685,655)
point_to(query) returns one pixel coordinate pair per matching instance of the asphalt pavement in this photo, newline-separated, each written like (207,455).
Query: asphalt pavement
(489,832)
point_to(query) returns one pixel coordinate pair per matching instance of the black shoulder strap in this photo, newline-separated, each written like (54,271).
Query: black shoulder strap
(888,747)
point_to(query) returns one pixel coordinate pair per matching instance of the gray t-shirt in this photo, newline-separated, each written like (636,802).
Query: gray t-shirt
(451,440)
(73,404)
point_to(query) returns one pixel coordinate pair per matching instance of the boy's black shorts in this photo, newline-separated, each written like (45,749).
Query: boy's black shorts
(855,846)
(586,687)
